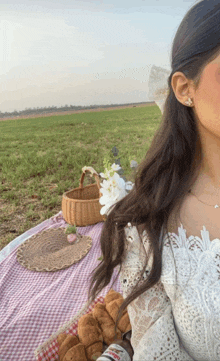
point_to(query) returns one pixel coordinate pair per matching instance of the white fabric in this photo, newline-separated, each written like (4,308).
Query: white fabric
(178,318)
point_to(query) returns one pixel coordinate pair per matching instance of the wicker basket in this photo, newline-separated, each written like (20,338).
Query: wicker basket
(80,206)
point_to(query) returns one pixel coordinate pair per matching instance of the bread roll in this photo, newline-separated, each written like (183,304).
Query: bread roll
(94,351)
(76,353)
(68,343)
(88,330)
(106,323)
(124,323)
(112,295)
(113,308)
(61,338)
(90,335)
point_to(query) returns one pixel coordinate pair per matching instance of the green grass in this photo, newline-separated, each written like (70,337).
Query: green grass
(41,158)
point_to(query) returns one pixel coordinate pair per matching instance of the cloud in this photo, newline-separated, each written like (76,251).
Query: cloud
(38,40)
(114,6)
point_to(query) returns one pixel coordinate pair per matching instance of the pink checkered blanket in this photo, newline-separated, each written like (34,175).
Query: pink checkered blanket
(37,306)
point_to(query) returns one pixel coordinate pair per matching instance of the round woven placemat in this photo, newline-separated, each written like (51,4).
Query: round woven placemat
(50,251)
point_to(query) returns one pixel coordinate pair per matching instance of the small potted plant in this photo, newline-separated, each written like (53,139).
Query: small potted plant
(72,234)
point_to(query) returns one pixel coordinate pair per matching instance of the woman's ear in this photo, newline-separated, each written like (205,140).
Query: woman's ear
(182,87)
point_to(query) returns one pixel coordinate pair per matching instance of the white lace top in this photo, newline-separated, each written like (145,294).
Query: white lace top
(179,318)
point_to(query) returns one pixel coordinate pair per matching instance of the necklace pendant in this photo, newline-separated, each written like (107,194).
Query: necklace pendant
(216,206)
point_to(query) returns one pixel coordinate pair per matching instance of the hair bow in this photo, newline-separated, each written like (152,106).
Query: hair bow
(158,86)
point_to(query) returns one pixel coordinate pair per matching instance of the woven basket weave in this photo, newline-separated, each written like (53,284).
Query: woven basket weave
(80,206)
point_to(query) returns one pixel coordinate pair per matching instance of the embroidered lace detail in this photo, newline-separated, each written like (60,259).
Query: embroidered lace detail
(178,318)
(134,260)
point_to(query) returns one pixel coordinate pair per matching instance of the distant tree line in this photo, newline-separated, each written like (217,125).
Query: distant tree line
(44,110)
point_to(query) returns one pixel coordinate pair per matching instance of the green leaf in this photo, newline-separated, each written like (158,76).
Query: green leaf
(112,172)
(70,229)
(107,164)
(100,258)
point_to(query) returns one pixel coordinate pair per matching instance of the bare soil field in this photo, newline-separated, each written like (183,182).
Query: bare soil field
(39,115)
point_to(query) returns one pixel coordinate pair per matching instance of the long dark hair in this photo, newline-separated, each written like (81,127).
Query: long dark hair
(172,162)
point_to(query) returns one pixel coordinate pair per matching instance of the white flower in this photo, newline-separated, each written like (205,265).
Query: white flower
(106,174)
(102,175)
(129,185)
(112,189)
(115,167)
(105,209)
(118,180)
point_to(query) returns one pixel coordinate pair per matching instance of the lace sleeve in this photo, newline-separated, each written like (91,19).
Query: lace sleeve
(153,331)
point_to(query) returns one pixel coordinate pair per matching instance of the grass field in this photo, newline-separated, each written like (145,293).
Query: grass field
(41,158)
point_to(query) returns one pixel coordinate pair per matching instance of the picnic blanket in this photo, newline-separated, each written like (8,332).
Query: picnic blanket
(34,306)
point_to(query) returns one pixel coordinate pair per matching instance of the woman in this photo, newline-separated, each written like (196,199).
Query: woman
(171,275)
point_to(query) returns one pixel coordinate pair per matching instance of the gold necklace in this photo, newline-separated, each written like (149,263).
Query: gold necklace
(216,206)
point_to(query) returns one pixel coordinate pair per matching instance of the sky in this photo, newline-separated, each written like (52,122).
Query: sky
(83,52)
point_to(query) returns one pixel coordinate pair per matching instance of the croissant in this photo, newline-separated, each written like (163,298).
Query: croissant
(112,295)
(106,323)
(61,338)
(90,335)
(94,351)
(93,328)
(113,307)
(76,353)
(68,342)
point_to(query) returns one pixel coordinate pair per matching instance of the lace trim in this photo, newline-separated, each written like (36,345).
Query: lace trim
(192,242)
(193,254)
(182,257)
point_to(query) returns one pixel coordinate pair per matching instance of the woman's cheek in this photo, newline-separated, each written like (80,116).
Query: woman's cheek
(209,116)
(207,99)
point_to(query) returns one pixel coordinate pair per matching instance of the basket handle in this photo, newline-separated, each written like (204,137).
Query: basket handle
(93,173)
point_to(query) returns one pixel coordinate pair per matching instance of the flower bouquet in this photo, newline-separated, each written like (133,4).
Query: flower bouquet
(114,187)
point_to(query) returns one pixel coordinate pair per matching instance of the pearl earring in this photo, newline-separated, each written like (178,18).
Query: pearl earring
(188,102)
